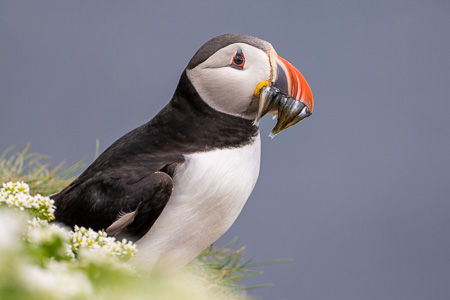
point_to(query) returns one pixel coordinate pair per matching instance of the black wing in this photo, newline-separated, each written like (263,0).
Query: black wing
(135,225)
(132,175)
(98,201)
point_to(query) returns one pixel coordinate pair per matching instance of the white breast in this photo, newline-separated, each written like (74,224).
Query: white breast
(210,190)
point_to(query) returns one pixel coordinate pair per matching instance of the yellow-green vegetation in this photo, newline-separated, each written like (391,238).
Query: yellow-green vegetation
(34,169)
(40,260)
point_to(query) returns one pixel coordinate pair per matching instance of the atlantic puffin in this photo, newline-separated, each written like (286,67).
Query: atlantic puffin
(177,183)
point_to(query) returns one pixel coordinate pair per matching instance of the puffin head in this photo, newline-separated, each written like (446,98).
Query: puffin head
(242,75)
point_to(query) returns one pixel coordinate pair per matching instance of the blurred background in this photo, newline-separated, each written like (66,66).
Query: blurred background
(358,195)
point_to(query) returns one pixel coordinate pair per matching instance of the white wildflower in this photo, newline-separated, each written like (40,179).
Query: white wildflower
(56,281)
(47,234)
(39,232)
(69,252)
(36,222)
(17,195)
(11,227)
(99,240)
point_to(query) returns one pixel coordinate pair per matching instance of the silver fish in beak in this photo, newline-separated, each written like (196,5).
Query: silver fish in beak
(287,95)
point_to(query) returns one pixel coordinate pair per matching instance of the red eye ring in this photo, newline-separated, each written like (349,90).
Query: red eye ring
(238,60)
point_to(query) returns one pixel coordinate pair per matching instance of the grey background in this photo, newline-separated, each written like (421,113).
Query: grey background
(357,195)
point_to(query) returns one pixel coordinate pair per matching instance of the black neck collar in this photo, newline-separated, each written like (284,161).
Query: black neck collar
(193,122)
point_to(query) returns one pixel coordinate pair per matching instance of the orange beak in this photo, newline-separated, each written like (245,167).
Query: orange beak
(291,82)
(289,96)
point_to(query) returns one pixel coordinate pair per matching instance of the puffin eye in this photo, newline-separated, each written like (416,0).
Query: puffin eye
(238,60)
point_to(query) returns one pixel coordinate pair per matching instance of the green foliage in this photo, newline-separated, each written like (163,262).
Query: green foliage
(224,267)
(34,169)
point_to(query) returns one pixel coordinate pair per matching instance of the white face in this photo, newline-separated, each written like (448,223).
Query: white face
(227,89)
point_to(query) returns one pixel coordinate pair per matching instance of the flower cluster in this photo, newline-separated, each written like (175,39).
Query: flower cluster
(62,256)
(17,195)
(42,234)
(57,281)
(99,240)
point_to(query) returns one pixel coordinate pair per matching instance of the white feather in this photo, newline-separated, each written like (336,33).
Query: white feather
(210,190)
